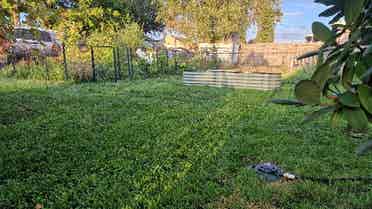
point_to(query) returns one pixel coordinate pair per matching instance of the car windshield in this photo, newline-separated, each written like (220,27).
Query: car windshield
(27,34)
(24,34)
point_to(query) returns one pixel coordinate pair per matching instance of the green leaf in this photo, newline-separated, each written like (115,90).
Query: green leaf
(353,9)
(364,148)
(356,118)
(335,118)
(368,61)
(313,116)
(360,69)
(308,92)
(309,54)
(287,102)
(321,75)
(366,77)
(349,99)
(330,11)
(341,60)
(336,18)
(356,35)
(365,97)
(327,2)
(320,60)
(347,77)
(367,37)
(368,51)
(321,32)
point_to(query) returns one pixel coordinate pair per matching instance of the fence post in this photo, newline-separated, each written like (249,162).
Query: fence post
(157,60)
(114,53)
(167,58)
(118,62)
(13,60)
(128,59)
(129,64)
(46,67)
(93,64)
(175,62)
(65,61)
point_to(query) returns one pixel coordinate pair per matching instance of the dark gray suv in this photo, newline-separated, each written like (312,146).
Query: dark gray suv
(29,42)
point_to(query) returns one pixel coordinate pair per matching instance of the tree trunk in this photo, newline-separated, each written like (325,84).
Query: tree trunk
(15,18)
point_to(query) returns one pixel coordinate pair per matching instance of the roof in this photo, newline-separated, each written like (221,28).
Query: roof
(37,28)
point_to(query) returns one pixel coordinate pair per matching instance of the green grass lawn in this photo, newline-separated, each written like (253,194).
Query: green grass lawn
(159,144)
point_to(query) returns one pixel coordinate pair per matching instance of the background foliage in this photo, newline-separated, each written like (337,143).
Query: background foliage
(212,20)
(266,14)
(208,20)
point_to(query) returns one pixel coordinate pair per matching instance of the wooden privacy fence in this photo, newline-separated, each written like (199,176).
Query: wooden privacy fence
(277,54)
(219,78)
(260,57)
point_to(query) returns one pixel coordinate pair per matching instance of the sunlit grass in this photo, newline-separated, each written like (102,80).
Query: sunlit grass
(159,144)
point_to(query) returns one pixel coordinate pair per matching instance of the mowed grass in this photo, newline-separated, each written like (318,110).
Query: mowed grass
(159,144)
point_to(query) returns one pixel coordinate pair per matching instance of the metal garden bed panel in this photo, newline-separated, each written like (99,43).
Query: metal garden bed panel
(218,78)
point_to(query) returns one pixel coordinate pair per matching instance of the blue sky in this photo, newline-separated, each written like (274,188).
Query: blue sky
(298,15)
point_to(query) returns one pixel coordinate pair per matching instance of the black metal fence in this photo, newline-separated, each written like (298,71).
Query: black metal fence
(113,63)
(95,63)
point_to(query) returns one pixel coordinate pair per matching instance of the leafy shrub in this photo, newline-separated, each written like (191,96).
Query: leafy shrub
(342,82)
(160,66)
(49,70)
(80,71)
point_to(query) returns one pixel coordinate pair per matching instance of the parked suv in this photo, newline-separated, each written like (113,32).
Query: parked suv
(28,40)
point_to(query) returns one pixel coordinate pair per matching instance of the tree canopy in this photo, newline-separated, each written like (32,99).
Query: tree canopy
(266,13)
(143,12)
(211,20)
(38,12)
(83,16)
(206,20)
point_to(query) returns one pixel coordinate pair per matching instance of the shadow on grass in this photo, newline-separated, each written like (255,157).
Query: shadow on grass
(24,104)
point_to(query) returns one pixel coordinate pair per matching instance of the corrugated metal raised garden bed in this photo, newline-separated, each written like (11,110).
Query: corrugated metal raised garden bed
(234,79)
